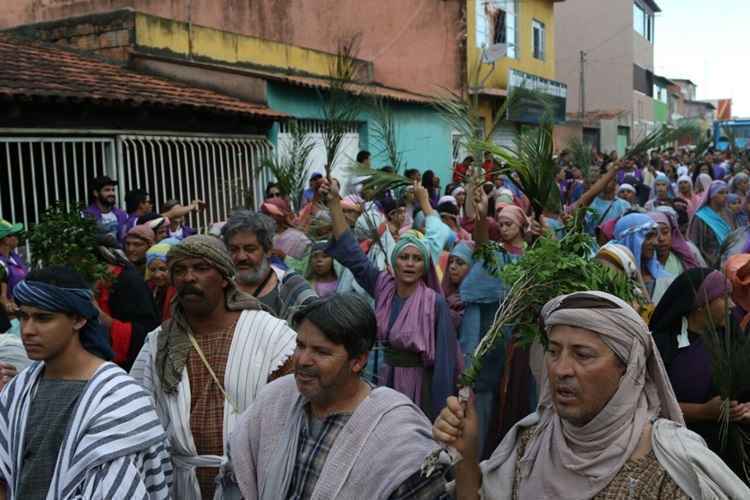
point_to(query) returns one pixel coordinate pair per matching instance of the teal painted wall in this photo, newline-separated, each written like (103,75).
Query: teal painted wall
(423,138)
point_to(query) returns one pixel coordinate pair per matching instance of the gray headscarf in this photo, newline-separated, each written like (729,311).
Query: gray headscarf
(173,343)
(568,462)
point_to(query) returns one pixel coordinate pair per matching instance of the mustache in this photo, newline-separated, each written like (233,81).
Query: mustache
(306,372)
(189,290)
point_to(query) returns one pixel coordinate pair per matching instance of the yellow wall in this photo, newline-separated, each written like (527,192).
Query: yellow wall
(165,34)
(542,10)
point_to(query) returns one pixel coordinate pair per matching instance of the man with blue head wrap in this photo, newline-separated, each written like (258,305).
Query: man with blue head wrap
(73,423)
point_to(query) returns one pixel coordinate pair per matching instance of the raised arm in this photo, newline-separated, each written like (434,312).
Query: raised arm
(344,247)
(481,233)
(587,197)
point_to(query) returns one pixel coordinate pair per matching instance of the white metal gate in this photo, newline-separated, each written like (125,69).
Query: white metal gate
(225,171)
(317,161)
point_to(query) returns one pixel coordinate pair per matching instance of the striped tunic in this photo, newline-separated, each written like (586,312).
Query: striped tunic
(114,446)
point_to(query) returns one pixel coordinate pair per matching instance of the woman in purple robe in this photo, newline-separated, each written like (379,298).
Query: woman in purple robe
(415,331)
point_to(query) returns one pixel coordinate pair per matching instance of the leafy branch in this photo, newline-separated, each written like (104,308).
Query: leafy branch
(65,237)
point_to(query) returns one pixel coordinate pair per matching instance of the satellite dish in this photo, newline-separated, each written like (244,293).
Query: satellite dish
(494,52)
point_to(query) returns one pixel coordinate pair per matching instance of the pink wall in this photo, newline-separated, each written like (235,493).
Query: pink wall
(412,43)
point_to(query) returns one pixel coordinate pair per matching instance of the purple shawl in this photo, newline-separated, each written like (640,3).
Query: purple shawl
(679,245)
(413,330)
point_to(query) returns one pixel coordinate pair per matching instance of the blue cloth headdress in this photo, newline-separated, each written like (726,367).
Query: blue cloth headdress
(53,298)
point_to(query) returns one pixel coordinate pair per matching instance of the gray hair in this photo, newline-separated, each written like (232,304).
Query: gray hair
(244,220)
(344,318)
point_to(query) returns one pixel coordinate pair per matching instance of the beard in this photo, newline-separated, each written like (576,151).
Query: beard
(254,276)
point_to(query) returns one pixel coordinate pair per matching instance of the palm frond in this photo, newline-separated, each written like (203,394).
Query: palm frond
(290,166)
(340,108)
(582,155)
(375,182)
(731,135)
(385,133)
(661,137)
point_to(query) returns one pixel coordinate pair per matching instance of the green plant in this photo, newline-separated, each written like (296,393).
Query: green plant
(582,156)
(547,270)
(340,108)
(65,237)
(290,166)
(385,132)
(660,137)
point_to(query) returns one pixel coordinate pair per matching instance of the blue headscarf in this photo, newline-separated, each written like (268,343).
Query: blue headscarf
(631,232)
(53,298)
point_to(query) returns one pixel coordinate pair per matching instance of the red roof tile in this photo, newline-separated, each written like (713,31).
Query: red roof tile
(32,69)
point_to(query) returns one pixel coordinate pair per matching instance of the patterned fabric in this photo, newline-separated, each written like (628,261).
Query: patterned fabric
(643,478)
(207,401)
(113,448)
(315,441)
(174,343)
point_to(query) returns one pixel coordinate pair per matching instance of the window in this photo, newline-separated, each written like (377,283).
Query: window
(643,22)
(496,24)
(538,39)
(660,94)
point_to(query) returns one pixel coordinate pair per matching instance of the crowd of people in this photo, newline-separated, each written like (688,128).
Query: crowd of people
(312,348)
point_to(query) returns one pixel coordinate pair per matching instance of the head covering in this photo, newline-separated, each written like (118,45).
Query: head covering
(411,239)
(682,170)
(514,214)
(157,252)
(503,196)
(277,208)
(737,269)
(662,179)
(562,458)
(464,250)
(352,202)
(93,336)
(174,342)
(625,187)
(631,231)
(702,183)
(8,229)
(458,190)
(689,291)
(143,232)
(679,245)
(741,176)
(447,199)
(156,222)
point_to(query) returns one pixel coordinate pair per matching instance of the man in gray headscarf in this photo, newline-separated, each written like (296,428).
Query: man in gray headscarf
(206,364)
(607,425)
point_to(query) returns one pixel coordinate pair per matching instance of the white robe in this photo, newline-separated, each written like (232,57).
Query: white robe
(260,345)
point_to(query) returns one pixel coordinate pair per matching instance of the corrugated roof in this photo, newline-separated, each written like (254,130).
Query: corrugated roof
(34,69)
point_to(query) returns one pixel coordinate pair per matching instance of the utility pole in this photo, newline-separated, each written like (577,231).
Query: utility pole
(582,90)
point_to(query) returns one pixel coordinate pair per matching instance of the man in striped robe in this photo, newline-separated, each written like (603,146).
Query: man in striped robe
(205,365)
(73,425)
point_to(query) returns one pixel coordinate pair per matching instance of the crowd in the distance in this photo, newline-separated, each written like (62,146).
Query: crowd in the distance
(302,350)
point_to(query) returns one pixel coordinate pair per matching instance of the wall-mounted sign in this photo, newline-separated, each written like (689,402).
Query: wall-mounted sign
(528,110)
